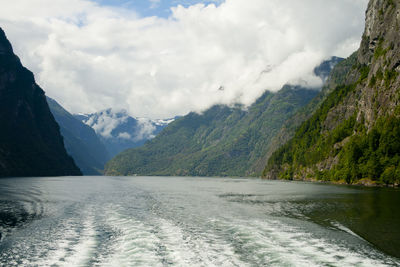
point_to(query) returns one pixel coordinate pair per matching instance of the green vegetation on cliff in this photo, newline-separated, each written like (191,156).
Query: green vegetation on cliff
(353,151)
(336,76)
(355,132)
(373,154)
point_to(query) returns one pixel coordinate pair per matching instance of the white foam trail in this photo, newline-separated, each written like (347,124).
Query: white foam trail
(345,229)
(196,249)
(74,248)
(83,251)
(62,244)
(176,244)
(159,242)
(154,232)
(275,244)
(136,244)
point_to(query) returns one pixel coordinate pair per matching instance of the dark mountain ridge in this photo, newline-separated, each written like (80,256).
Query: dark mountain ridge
(30,140)
(80,140)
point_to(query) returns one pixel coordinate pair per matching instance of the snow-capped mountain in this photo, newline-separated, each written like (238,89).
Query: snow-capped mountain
(119,131)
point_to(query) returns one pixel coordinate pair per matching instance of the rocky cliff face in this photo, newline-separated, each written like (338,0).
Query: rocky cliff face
(347,138)
(375,74)
(30,140)
(380,52)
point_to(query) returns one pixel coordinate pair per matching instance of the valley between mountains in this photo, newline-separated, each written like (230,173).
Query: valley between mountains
(346,131)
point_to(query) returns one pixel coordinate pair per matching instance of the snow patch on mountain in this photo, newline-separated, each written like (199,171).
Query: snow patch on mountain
(120,131)
(105,122)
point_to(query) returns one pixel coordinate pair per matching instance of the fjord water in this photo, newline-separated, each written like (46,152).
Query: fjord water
(159,221)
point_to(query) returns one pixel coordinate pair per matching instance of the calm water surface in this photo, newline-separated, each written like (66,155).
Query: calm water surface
(160,221)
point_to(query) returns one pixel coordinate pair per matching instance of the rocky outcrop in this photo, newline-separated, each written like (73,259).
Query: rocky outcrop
(30,140)
(346,138)
(380,53)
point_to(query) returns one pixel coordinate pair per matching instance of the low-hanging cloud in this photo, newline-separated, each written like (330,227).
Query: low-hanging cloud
(90,57)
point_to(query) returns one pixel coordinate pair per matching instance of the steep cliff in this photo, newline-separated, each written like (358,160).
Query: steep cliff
(354,134)
(332,78)
(80,140)
(30,140)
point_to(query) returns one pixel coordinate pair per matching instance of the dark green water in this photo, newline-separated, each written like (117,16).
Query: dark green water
(160,221)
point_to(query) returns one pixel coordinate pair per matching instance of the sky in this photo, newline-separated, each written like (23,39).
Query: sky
(159,8)
(159,58)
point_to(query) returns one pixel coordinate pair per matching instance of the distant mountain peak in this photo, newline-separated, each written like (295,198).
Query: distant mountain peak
(325,68)
(119,131)
(5,45)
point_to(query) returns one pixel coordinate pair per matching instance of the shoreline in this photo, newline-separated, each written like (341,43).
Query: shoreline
(367,183)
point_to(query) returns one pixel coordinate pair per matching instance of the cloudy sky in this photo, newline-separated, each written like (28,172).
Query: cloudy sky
(159,58)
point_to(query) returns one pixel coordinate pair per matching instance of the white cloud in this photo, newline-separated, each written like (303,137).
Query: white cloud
(146,129)
(117,124)
(125,135)
(106,121)
(90,57)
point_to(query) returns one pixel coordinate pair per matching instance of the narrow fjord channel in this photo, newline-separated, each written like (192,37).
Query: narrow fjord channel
(161,221)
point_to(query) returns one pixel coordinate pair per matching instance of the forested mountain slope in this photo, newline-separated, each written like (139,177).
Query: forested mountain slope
(221,141)
(335,77)
(354,135)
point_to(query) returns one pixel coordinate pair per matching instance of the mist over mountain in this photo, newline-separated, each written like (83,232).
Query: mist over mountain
(118,131)
(90,56)
(93,139)
(221,141)
(30,139)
